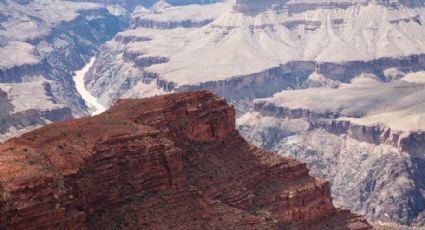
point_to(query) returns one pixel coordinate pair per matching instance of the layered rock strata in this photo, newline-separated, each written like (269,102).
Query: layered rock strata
(367,132)
(173,161)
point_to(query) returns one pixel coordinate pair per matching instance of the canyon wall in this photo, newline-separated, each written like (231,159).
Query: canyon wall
(173,161)
(377,134)
(373,169)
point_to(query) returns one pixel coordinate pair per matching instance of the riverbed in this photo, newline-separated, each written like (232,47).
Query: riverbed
(95,107)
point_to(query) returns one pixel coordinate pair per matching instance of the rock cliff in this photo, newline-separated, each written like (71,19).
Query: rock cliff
(16,117)
(373,127)
(173,161)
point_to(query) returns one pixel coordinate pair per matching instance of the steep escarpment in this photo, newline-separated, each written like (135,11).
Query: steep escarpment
(195,16)
(269,45)
(239,89)
(130,5)
(374,127)
(17,117)
(383,120)
(173,161)
(162,15)
(374,134)
(5,105)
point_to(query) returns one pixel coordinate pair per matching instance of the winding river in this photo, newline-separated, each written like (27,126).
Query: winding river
(92,103)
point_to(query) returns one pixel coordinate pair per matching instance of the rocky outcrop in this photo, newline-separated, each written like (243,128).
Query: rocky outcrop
(173,161)
(27,71)
(143,62)
(292,75)
(255,7)
(130,39)
(297,7)
(334,138)
(32,118)
(377,134)
(140,22)
(130,5)
(163,16)
(127,4)
(15,121)
(5,105)
(401,3)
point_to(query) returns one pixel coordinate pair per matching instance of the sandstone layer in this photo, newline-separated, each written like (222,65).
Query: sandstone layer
(167,162)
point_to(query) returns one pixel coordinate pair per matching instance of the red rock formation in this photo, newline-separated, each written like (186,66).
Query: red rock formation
(168,162)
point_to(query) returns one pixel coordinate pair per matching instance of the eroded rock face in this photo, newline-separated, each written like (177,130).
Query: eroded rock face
(255,6)
(146,23)
(374,168)
(5,106)
(173,161)
(16,118)
(377,134)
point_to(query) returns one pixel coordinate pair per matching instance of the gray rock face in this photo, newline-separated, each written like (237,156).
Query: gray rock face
(17,123)
(5,106)
(294,6)
(131,4)
(17,117)
(166,17)
(148,23)
(294,75)
(255,6)
(398,3)
(411,142)
(374,169)
(145,62)
(377,181)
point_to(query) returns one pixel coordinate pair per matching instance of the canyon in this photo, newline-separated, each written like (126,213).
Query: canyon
(94,107)
(251,52)
(336,84)
(44,42)
(376,128)
(173,161)
(270,49)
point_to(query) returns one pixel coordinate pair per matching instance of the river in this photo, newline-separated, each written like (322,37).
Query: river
(92,103)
